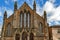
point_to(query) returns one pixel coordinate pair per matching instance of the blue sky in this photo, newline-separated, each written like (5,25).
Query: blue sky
(52,7)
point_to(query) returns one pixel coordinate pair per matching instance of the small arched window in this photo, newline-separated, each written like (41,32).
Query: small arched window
(31,36)
(9,29)
(17,37)
(41,27)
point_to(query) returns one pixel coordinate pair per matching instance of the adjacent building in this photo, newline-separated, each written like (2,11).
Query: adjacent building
(55,32)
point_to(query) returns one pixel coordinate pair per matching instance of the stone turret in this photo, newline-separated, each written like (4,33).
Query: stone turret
(5,15)
(15,6)
(45,16)
(34,6)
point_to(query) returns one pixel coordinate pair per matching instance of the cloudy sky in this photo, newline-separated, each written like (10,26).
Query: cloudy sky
(52,7)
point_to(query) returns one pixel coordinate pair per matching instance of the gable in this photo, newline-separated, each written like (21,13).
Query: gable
(25,6)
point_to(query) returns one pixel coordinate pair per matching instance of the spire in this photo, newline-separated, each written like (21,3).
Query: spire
(45,16)
(34,6)
(5,15)
(15,6)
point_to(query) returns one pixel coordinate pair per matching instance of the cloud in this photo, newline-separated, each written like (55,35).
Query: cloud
(0,25)
(41,1)
(53,11)
(0,13)
(6,1)
(9,12)
(49,7)
(56,14)
(28,0)
(14,0)
(52,1)
(39,10)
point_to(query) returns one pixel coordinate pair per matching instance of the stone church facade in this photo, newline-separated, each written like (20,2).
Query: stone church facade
(25,24)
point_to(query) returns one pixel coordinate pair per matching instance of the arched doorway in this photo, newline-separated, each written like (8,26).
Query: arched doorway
(24,36)
(31,36)
(17,37)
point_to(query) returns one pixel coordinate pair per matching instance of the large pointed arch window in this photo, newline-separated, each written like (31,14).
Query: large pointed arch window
(9,29)
(25,19)
(21,15)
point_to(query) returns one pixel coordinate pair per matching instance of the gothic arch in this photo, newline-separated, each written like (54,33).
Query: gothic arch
(17,37)
(31,36)
(24,36)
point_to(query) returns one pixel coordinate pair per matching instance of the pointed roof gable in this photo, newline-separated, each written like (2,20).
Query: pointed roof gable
(25,5)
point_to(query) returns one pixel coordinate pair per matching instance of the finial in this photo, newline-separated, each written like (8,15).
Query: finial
(34,1)
(34,6)
(5,15)
(44,12)
(45,16)
(15,5)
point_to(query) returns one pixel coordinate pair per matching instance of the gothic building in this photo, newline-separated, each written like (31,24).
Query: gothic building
(25,24)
